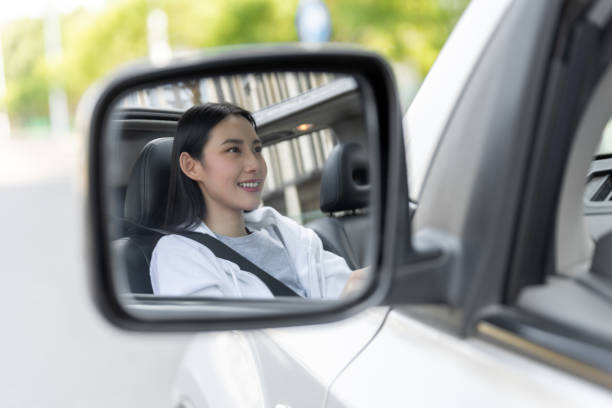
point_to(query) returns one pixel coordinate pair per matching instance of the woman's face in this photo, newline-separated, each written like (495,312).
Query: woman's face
(233,170)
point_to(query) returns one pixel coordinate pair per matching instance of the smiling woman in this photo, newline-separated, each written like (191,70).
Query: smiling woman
(217,174)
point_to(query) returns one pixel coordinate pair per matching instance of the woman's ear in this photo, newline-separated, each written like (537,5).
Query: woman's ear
(189,166)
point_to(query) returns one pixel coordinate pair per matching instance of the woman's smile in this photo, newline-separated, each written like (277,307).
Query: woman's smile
(252,186)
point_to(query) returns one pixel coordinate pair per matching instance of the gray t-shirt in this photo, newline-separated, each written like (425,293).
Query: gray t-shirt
(266,250)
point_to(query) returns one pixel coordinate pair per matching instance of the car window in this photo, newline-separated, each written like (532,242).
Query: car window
(605,147)
(574,300)
(598,189)
(294,174)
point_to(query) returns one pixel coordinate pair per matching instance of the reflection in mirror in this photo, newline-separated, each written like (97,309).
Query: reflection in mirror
(242,186)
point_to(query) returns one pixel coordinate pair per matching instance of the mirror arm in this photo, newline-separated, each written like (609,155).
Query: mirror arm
(422,262)
(425,276)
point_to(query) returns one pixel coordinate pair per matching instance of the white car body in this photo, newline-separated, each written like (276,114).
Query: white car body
(372,359)
(384,357)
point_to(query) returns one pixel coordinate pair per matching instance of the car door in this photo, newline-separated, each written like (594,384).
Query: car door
(474,201)
(291,367)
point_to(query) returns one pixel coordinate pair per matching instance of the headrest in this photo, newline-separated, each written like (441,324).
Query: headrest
(345,182)
(147,190)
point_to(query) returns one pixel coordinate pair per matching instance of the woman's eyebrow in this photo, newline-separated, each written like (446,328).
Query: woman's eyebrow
(237,141)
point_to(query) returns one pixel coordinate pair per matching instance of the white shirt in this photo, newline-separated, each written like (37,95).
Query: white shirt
(183,267)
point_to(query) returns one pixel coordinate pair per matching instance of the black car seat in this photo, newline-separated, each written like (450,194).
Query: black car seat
(345,193)
(145,204)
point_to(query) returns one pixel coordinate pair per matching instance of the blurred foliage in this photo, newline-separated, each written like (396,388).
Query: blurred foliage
(95,44)
(25,70)
(398,29)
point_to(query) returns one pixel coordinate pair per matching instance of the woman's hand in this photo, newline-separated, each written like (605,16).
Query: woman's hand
(355,281)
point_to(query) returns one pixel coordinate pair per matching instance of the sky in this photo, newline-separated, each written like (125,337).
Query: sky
(11,10)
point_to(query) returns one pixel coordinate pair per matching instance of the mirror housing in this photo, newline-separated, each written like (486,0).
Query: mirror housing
(391,231)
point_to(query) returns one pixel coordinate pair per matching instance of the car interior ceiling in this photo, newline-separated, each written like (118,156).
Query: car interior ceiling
(140,132)
(322,115)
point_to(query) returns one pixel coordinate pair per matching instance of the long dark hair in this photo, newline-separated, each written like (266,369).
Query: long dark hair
(186,207)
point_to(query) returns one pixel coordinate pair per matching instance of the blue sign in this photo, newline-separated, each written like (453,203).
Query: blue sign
(313,21)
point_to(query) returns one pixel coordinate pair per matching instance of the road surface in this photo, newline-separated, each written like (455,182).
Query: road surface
(55,349)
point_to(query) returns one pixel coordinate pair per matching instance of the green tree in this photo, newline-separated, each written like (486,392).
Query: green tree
(401,30)
(96,44)
(25,71)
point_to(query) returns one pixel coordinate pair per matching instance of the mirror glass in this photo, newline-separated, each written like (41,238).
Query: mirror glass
(253,185)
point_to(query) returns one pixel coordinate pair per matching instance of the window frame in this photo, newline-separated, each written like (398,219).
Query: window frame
(524,321)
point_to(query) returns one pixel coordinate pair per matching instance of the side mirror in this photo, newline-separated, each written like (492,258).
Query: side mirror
(327,124)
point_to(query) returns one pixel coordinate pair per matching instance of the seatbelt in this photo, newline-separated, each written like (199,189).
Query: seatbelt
(223,251)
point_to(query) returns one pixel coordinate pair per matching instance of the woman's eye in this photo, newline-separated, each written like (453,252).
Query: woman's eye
(257,149)
(233,150)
